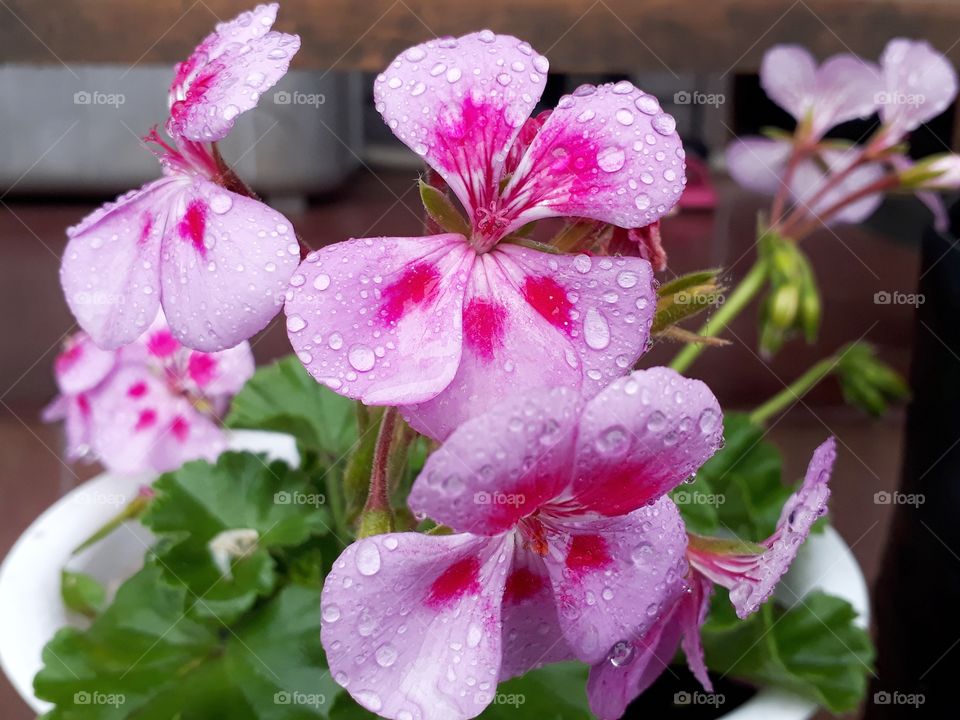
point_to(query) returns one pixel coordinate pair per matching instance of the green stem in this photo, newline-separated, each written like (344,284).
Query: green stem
(748,288)
(793,392)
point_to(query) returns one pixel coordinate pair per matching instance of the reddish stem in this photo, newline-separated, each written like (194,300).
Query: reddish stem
(379,495)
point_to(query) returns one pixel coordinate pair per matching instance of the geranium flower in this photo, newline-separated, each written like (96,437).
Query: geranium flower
(566,545)
(150,406)
(447,323)
(193,242)
(750,572)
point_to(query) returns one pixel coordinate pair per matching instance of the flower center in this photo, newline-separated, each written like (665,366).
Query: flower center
(489,226)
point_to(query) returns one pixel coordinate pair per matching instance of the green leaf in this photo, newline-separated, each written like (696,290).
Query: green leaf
(197,504)
(82,593)
(283,397)
(813,649)
(145,658)
(555,692)
(739,490)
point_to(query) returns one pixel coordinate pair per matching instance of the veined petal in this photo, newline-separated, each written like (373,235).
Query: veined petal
(411,623)
(788,74)
(532,634)
(633,666)
(225,265)
(752,576)
(380,319)
(608,153)
(227,74)
(459,103)
(501,466)
(758,163)
(532,319)
(81,366)
(641,437)
(920,84)
(110,272)
(847,88)
(613,578)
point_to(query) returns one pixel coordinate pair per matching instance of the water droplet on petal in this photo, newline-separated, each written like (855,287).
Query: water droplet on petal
(367,558)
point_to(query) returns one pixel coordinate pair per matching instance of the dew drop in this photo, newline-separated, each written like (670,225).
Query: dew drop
(596,331)
(367,558)
(611,159)
(361,358)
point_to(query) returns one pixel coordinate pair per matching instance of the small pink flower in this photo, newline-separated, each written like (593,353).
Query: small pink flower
(150,406)
(440,323)
(751,576)
(566,546)
(214,259)
(843,88)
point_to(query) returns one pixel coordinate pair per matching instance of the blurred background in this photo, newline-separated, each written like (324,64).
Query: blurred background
(81,82)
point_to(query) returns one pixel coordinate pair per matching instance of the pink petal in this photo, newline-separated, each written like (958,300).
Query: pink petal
(847,88)
(800,512)
(788,75)
(501,466)
(380,319)
(641,437)
(532,319)
(532,634)
(633,666)
(225,266)
(758,163)
(920,84)
(110,272)
(459,103)
(411,623)
(810,176)
(221,373)
(608,153)
(614,577)
(186,435)
(81,366)
(227,74)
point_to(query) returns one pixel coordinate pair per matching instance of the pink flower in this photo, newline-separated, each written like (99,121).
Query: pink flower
(843,88)
(440,323)
(760,164)
(919,83)
(193,242)
(566,546)
(750,572)
(150,406)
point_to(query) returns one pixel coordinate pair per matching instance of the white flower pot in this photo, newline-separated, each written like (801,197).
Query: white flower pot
(31,610)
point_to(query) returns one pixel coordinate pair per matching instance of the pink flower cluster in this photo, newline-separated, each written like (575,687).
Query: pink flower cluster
(149,406)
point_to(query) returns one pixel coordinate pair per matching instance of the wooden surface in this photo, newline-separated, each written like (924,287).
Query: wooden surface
(578,35)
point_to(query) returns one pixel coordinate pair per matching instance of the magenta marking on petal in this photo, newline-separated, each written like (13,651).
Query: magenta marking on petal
(461,578)
(202,368)
(137,390)
(484,323)
(522,585)
(68,358)
(83,402)
(193,225)
(162,344)
(145,228)
(180,428)
(549,298)
(587,553)
(146,420)
(418,285)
